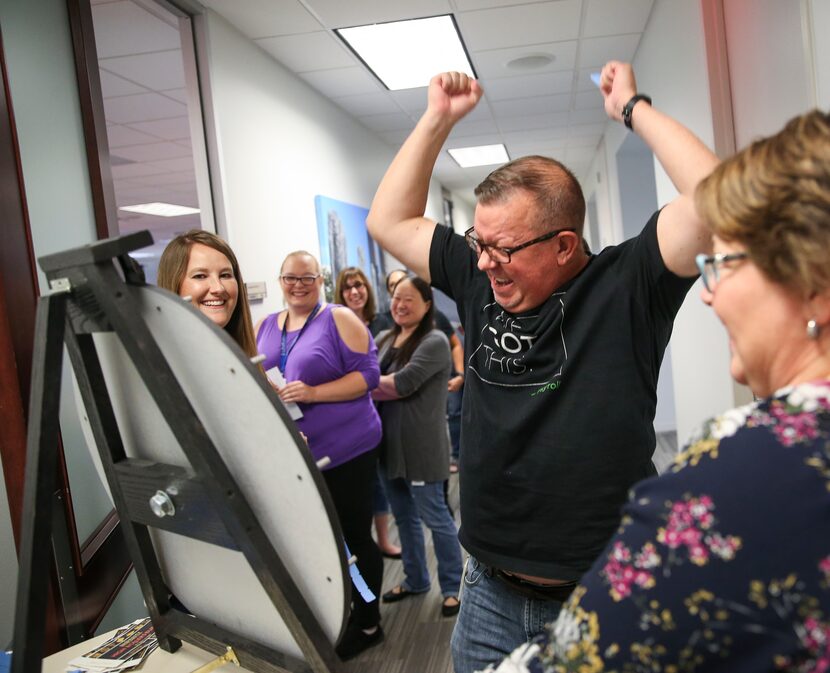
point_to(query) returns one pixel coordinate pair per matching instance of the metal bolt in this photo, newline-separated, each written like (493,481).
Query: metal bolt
(162,505)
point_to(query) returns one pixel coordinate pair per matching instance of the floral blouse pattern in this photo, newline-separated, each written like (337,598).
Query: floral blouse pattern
(721,564)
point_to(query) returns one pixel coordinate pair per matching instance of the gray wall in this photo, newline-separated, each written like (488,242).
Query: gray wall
(44,95)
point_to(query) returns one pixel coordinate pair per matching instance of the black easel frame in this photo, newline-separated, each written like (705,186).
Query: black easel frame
(90,295)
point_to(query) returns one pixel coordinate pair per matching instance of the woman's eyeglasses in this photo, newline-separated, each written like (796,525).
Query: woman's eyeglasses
(288,279)
(357,285)
(710,266)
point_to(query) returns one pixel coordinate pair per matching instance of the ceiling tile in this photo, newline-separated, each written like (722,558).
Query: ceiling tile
(591,116)
(526,86)
(612,17)
(132,170)
(584,81)
(598,128)
(368,104)
(595,52)
(524,149)
(141,107)
(520,25)
(493,62)
(152,152)
(474,127)
(413,101)
(580,154)
(530,106)
(469,5)
(539,136)
(531,122)
(173,165)
(158,70)
(396,121)
(265,18)
(123,28)
(120,136)
(342,81)
(179,180)
(309,51)
(176,94)
(340,14)
(588,99)
(113,85)
(473,141)
(549,110)
(169,129)
(584,141)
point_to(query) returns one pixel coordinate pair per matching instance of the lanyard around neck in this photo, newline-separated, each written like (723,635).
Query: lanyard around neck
(285,350)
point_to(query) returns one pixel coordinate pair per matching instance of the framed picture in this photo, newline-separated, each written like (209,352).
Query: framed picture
(344,241)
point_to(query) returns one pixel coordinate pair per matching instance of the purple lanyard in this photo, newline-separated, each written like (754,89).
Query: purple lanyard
(285,350)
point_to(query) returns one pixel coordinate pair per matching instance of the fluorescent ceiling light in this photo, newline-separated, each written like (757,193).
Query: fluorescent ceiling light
(160,209)
(482,155)
(407,54)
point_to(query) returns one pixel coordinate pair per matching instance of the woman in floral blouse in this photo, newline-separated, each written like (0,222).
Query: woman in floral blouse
(723,564)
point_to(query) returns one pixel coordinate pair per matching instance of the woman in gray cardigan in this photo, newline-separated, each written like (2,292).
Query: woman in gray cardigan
(415,364)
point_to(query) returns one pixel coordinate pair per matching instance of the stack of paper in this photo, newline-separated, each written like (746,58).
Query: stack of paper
(127,649)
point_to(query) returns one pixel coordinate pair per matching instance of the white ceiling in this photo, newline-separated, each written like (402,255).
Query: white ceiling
(554,110)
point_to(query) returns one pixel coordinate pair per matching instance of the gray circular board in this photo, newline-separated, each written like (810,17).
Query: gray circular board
(263,451)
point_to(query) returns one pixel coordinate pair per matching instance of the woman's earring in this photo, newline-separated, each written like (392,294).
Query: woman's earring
(813,330)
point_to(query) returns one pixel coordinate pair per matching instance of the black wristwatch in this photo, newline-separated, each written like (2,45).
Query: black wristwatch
(629,107)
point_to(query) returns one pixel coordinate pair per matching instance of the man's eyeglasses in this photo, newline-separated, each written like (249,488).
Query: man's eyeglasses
(503,255)
(357,285)
(288,279)
(709,267)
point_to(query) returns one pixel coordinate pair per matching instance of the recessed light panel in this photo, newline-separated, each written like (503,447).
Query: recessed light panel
(482,155)
(407,54)
(160,209)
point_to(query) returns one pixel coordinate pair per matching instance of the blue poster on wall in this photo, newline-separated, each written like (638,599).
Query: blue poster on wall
(344,241)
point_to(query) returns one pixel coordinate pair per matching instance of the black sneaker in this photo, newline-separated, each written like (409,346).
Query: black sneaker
(355,641)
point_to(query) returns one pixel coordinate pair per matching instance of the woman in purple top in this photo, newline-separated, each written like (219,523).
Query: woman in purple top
(330,364)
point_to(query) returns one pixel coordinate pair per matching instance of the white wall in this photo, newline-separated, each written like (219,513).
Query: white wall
(44,94)
(699,346)
(638,200)
(670,66)
(770,63)
(463,214)
(820,20)
(280,144)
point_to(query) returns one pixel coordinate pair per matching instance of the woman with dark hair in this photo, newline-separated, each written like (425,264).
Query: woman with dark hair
(354,291)
(200,265)
(415,363)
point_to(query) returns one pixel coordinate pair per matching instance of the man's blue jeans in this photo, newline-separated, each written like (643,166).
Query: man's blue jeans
(411,504)
(494,620)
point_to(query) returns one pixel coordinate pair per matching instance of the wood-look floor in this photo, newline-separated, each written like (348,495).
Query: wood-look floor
(417,636)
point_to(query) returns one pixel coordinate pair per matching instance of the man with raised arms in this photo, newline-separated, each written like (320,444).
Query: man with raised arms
(562,355)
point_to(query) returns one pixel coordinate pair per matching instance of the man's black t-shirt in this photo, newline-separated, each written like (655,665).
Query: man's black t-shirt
(559,403)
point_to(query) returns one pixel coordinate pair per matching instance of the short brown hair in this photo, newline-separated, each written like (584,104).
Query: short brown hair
(774,199)
(172,269)
(347,274)
(555,190)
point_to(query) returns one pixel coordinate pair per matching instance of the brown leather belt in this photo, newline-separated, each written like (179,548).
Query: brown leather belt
(528,589)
